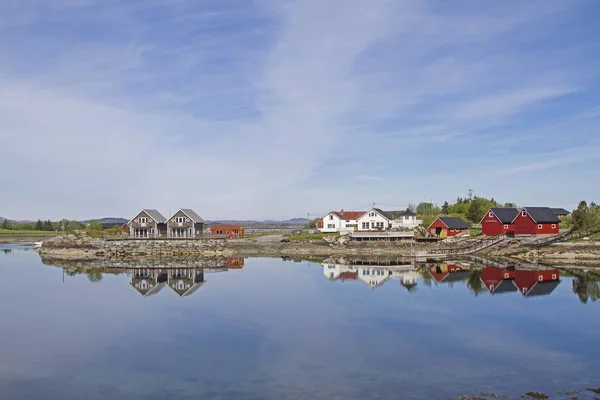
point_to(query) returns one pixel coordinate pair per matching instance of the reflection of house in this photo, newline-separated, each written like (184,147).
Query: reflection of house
(448,272)
(148,224)
(498,280)
(371,273)
(408,279)
(448,226)
(185,223)
(536,282)
(374,277)
(148,281)
(498,221)
(536,221)
(235,262)
(185,281)
(231,231)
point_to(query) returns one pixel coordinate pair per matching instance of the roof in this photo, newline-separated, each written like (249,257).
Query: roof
(349,215)
(505,215)
(454,222)
(408,212)
(505,286)
(230,227)
(155,215)
(542,288)
(560,211)
(456,276)
(542,215)
(386,214)
(192,215)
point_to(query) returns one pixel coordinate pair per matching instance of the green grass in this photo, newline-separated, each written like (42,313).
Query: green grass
(314,236)
(9,232)
(475,231)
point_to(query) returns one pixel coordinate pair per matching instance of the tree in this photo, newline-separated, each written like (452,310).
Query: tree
(475,284)
(412,207)
(47,226)
(6,224)
(425,208)
(39,225)
(446,208)
(478,208)
(94,276)
(585,216)
(94,225)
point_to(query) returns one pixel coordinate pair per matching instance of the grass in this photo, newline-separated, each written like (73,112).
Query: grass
(10,232)
(308,236)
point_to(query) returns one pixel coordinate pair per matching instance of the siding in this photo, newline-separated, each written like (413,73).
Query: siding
(524,225)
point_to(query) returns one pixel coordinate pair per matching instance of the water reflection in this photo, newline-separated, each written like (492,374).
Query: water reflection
(529,281)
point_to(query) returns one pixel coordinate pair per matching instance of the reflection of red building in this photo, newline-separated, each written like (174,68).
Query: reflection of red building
(235,262)
(351,275)
(232,231)
(448,272)
(498,280)
(536,282)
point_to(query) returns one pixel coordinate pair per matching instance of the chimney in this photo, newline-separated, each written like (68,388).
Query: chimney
(343,214)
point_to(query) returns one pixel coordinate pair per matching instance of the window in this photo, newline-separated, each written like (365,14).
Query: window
(365,225)
(143,220)
(379,225)
(539,227)
(372,214)
(553,276)
(331,226)
(180,220)
(491,214)
(373,225)
(524,213)
(506,276)
(553,226)
(331,217)
(505,226)
(540,278)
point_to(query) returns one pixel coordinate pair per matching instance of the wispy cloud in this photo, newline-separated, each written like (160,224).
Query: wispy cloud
(275,108)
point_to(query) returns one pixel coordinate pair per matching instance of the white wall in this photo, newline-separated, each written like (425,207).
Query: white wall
(330,219)
(406,222)
(372,217)
(373,277)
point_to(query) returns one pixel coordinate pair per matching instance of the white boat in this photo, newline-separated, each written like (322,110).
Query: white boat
(37,245)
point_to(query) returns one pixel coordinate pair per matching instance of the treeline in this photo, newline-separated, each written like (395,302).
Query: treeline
(49,226)
(472,210)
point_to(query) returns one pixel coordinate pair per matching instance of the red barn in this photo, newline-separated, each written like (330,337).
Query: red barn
(448,272)
(235,262)
(448,226)
(536,221)
(498,221)
(536,282)
(232,231)
(498,280)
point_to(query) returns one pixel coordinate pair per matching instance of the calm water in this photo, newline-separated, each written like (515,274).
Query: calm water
(271,329)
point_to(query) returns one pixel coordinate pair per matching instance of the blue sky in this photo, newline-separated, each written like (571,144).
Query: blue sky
(275,109)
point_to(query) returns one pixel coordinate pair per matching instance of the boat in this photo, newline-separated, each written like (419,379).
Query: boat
(37,245)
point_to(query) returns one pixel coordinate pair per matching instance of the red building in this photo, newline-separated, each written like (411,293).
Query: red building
(448,272)
(498,221)
(536,221)
(498,280)
(448,226)
(235,262)
(232,231)
(536,282)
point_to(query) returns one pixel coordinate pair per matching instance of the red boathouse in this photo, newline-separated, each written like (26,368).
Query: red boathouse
(536,221)
(448,226)
(498,221)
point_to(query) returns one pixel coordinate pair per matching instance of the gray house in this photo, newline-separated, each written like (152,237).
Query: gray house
(148,224)
(185,223)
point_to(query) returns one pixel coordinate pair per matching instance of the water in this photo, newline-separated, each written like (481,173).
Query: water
(288,330)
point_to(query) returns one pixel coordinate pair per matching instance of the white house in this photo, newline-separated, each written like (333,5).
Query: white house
(374,220)
(340,221)
(407,219)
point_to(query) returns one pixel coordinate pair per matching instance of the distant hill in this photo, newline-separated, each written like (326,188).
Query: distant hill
(108,220)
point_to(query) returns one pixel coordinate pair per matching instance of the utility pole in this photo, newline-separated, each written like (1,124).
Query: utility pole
(307,222)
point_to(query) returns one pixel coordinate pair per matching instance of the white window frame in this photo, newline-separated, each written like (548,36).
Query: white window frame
(554,276)
(143,220)
(540,226)
(491,214)
(540,278)
(523,213)
(330,226)
(553,226)
(505,226)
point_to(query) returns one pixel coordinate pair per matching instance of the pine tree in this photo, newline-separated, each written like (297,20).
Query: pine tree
(47,225)
(5,224)
(38,225)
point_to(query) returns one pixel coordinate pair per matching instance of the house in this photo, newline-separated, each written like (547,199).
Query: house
(498,280)
(185,281)
(374,220)
(498,221)
(148,224)
(148,281)
(406,219)
(536,282)
(235,262)
(448,226)
(373,277)
(560,212)
(445,272)
(339,221)
(185,223)
(231,231)
(536,221)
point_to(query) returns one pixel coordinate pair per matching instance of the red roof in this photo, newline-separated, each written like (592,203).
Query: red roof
(226,227)
(349,275)
(349,215)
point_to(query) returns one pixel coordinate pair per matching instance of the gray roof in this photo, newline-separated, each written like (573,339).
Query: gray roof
(456,276)
(155,215)
(409,213)
(542,215)
(384,213)
(454,222)
(560,211)
(192,214)
(506,215)
(506,286)
(542,288)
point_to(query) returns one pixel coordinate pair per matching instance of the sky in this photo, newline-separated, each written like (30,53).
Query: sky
(274,109)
